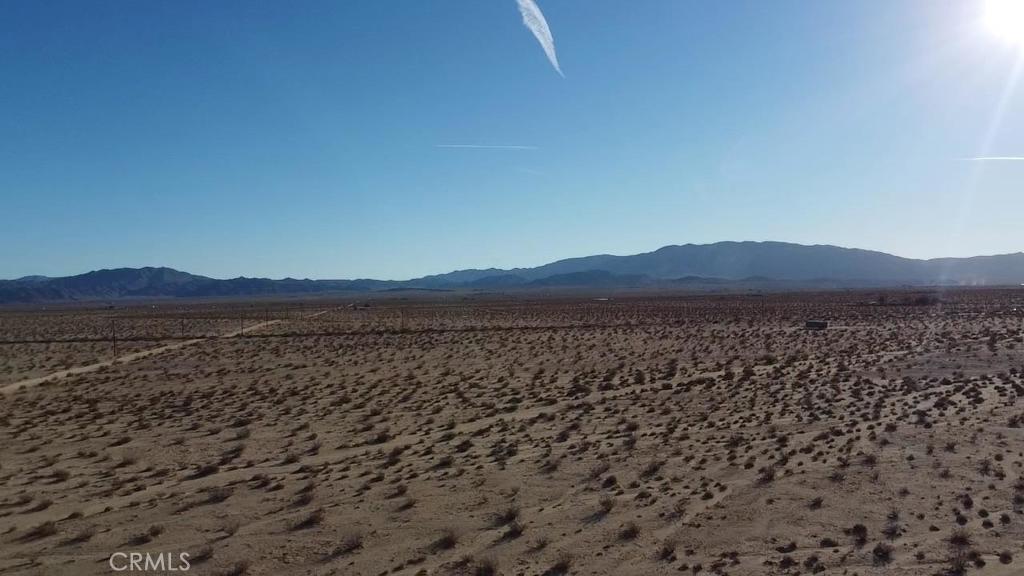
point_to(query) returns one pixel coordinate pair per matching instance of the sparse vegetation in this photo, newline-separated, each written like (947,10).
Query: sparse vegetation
(652,431)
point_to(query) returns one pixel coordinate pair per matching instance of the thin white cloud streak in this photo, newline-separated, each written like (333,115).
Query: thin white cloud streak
(534,20)
(997,159)
(486,146)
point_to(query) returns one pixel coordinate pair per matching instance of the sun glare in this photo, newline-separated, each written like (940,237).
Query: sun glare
(1006,19)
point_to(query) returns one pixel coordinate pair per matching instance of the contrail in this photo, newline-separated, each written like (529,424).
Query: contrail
(534,20)
(486,146)
(997,158)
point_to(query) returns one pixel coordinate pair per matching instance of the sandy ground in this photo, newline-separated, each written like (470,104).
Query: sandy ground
(130,357)
(640,435)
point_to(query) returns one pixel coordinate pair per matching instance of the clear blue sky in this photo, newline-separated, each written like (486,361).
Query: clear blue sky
(300,138)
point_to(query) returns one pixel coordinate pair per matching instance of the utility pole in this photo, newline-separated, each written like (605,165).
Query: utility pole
(241,323)
(113,336)
(182,327)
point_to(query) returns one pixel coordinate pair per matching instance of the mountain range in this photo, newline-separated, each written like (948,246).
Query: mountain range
(777,265)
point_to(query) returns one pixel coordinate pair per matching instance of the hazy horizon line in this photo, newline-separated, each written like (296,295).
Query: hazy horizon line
(406,279)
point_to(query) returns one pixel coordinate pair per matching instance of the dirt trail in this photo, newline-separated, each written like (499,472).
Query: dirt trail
(30,382)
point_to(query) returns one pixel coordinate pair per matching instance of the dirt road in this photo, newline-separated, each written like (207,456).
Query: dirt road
(30,382)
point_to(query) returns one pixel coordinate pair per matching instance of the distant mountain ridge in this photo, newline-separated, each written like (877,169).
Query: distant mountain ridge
(768,263)
(166,282)
(776,260)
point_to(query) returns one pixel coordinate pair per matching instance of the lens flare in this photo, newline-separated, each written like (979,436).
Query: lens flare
(1005,18)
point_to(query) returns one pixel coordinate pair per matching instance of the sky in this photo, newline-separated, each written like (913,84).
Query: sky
(352,139)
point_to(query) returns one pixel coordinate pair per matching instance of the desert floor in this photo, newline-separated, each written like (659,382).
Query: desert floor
(475,434)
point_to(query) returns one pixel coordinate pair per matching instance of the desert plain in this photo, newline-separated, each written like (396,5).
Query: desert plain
(475,434)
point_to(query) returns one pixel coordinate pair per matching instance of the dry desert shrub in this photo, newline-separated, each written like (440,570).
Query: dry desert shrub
(446,541)
(40,531)
(308,521)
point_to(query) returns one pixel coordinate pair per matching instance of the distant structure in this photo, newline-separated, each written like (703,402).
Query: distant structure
(816,324)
